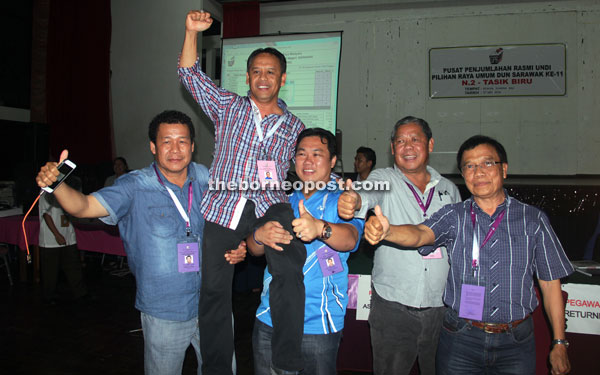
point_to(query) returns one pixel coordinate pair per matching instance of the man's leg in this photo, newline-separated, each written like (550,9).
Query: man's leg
(394,333)
(50,257)
(462,348)
(261,347)
(514,353)
(286,293)
(214,316)
(320,353)
(71,266)
(431,324)
(165,344)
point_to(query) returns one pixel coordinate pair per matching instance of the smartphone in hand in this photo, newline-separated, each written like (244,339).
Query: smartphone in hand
(64,170)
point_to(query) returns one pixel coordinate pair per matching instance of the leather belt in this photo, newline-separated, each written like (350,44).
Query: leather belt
(496,327)
(412,308)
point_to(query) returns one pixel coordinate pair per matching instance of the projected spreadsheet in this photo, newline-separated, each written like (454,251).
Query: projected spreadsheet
(310,90)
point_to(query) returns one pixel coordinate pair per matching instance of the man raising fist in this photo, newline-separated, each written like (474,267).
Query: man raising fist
(252,133)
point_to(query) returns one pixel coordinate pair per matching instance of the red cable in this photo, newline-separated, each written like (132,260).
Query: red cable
(23,226)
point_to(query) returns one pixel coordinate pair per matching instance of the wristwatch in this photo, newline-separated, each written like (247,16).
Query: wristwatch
(560,342)
(326,233)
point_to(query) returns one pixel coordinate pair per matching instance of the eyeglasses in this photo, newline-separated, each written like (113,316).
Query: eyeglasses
(486,165)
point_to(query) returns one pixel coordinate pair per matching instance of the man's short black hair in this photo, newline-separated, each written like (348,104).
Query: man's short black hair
(326,138)
(413,120)
(170,117)
(369,154)
(270,51)
(477,140)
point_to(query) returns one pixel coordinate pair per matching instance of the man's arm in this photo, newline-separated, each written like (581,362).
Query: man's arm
(343,236)
(195,22)
(349,202)
(554,305)
(60,239)
(378,228)
(71,200)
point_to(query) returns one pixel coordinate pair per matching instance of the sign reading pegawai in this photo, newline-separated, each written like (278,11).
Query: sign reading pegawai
(511,70)
(582,309)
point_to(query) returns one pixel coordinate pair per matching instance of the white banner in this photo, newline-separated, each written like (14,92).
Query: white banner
(504,70)
(582,310)
(363,302)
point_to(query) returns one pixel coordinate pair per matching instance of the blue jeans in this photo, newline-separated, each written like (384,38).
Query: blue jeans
(165,344)
(464,349)
(319,352)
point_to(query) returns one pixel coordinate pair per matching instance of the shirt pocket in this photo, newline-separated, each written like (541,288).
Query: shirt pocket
(162,221)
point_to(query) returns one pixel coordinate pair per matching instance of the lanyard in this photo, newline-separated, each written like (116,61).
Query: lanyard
(425,206)
(258,119)
(489,235)
(322,206)
(183,214)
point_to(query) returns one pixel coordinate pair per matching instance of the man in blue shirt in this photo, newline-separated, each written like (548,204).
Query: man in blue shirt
(328,241)
(158,213)
(495,244)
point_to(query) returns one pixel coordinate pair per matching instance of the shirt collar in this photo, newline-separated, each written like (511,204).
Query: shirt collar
(280,103)
(501,207)
(189,178)
(434,179)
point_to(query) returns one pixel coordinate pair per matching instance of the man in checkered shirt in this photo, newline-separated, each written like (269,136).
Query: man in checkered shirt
(252,133)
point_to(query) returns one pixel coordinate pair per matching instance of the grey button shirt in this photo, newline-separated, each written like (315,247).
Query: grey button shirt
(403,275)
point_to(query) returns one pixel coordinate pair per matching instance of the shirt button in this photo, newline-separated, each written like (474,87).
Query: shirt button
(425,269)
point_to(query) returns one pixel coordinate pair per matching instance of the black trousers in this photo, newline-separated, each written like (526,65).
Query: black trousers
(65,258)
(286,292)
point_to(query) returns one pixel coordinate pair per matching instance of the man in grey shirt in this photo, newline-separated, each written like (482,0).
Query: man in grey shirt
(406,307)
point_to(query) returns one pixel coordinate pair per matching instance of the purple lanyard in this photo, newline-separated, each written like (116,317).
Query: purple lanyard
(425,206)
(492,230)
(188,229)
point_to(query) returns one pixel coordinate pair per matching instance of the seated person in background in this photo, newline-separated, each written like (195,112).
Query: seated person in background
(495,244)
(328,241)
(364,163)
(158,213)
(120,167)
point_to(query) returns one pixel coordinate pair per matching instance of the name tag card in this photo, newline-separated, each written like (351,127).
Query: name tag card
(188,257)
(329,261)
(471,302)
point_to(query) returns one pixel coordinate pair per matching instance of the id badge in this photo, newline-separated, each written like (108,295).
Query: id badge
(266,171)
(329,261)
(436,254)
(471,302)
(188,254)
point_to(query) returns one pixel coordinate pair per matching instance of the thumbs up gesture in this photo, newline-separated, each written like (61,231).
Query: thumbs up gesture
(306,227)
(349,202)
(377,227)
(48,173)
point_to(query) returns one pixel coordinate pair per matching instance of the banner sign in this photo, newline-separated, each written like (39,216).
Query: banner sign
(363,300)
(582,310)
(511,70)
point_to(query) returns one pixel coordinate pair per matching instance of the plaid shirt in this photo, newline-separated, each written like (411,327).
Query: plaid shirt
(523,244)
(238,148)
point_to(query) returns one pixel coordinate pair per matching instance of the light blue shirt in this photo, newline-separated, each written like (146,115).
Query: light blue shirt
(150,227)
(326,297)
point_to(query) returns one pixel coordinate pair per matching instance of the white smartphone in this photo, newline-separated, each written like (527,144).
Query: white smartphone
(64,170)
